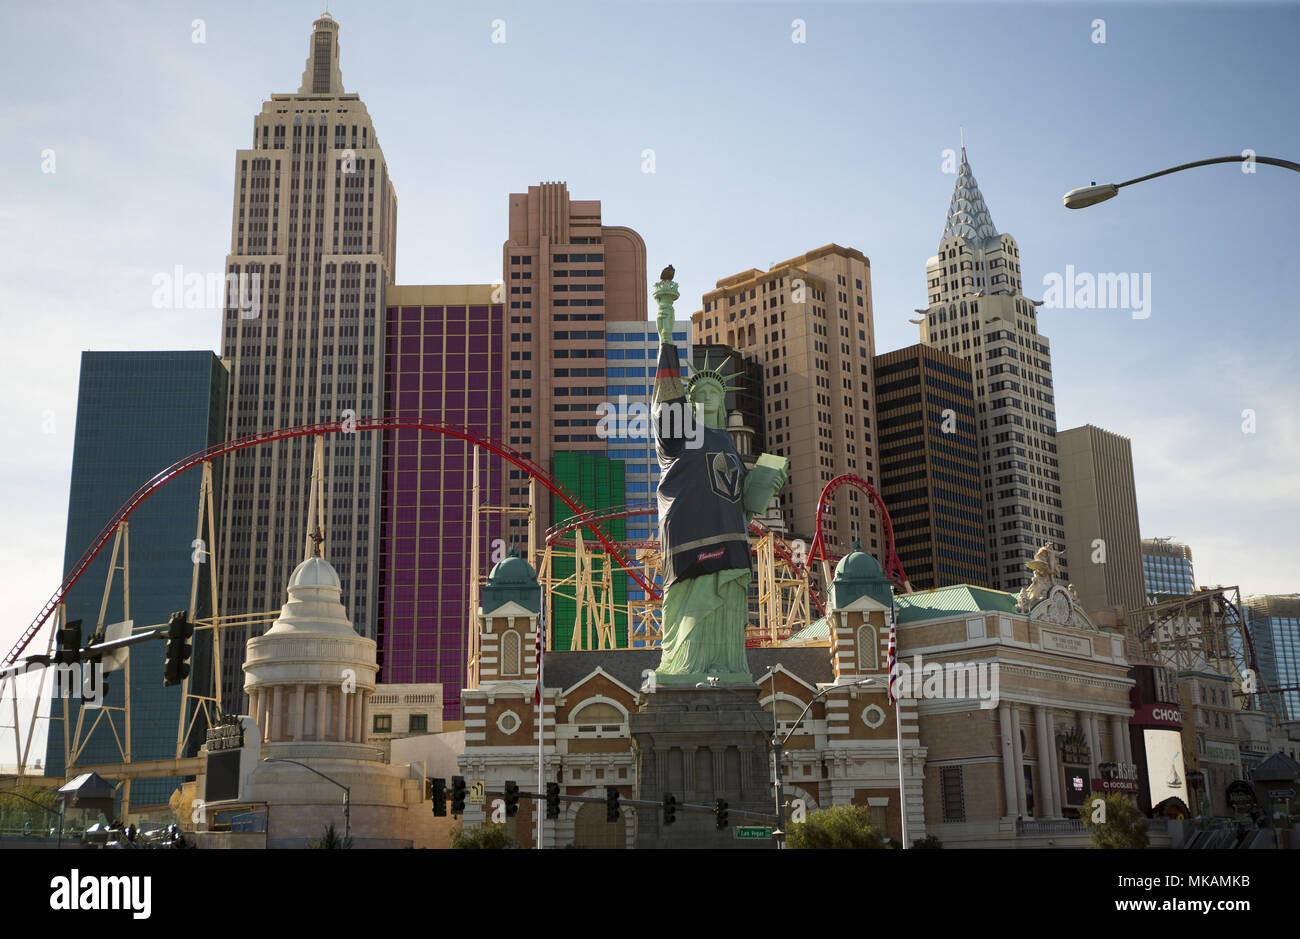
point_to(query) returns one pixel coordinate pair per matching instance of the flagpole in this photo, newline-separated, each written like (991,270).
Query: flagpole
(540,698)
(898,722)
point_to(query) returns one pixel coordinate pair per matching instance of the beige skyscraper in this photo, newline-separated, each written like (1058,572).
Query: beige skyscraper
(978,311)
(566,275)
(1101,517)
(315,222)
(807,321)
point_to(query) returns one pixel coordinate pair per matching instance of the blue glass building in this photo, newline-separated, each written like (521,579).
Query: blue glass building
(1274,624)
(138,413)
(631,351)
(1167,567)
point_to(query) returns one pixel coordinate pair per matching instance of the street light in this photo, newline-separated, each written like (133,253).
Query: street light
(1085,196)
(347,793)
(778,744)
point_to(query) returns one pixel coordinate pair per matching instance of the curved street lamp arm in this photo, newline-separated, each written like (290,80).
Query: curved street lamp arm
(280,759)
(808,707)
(1272,161)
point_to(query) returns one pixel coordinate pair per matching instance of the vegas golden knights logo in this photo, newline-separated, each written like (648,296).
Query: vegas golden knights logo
(725,473)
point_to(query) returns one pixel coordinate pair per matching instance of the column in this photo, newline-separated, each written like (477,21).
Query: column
(1053,769)
(1045,794)
(356,717)
(1019,756)
(1119,731)
(1088,720)
(321,703)
(1008,757)
(365,715)
(342,728)
(300,711)
(277,713)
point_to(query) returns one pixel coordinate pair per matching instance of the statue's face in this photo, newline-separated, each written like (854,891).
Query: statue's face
(710,403)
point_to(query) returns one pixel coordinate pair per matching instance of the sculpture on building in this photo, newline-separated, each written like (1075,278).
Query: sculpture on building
(706,499)
(1047,597)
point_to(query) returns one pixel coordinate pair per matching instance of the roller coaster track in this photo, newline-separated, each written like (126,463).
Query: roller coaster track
(471,437)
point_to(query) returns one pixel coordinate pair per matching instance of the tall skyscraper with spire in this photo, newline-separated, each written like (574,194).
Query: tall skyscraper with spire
(313,231)
(977,310)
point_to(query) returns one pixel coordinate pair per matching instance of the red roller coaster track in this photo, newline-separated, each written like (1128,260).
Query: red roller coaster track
(893,567)
(581,515)
(313,430)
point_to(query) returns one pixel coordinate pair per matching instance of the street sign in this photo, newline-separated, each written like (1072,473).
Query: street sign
(748,832)
(477,791)
(1283,793)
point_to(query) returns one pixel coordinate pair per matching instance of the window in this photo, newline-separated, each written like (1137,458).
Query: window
(510,652)
(954,800)
(868,648)
(383,724)
(596,719)
(419,724)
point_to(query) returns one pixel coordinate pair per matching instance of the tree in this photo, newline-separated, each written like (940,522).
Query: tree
(331,840)
(489,836)
(841,826)
(16,808)
(929,841)
(1116,823)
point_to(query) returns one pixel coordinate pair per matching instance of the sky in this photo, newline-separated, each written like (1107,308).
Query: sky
(763,148)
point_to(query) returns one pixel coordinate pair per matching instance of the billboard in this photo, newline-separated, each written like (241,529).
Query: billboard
(1166,772)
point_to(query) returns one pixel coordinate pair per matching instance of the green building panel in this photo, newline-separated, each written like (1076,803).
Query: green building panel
(597,481)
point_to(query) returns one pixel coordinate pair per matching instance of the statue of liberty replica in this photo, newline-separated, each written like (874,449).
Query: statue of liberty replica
(706,499)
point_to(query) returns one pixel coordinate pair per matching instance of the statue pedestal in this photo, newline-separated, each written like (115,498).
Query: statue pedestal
(702,744)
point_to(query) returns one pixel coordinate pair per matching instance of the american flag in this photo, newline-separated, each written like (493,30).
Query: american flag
(892,660)
(541,645)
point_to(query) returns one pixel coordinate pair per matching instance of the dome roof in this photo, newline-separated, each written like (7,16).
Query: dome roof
(512,572)
(859,575)
(511,580)
(858,565)
(315,572)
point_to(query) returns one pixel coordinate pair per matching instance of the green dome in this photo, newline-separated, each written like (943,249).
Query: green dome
(511,580)
(512,572)
(859,575)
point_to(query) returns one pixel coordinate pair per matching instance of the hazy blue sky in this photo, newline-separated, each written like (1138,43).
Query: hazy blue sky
(764,148)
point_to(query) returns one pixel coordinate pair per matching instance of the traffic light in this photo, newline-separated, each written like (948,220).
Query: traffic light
(458,795)
(670,808)
(720,810)
(552,800)
(611,805)
(96,662)
(69,643)
(177,666)
(512,798)
(438,794)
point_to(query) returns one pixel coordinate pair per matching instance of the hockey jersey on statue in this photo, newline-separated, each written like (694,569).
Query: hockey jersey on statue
(702,523)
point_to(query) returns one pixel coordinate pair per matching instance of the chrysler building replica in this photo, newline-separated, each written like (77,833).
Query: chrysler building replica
(313,231)
(977,310)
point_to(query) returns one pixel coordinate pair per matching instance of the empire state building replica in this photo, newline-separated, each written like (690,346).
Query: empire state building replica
(314,228)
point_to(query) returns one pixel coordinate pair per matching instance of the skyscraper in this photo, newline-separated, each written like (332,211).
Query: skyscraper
(138,412)
(1167,567)
(445,347)
(566,275)
(313,231)
(1274,623)
(807,321)
(977,310)
(929,458)
(1101,517)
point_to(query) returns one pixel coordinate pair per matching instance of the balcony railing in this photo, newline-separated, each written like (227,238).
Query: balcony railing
(1048,826)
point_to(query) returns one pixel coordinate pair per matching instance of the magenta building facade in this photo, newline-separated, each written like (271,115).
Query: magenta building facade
(443,361)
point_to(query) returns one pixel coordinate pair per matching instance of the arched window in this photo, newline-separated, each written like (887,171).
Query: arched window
(868,648)
(510,653)
(597,719)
